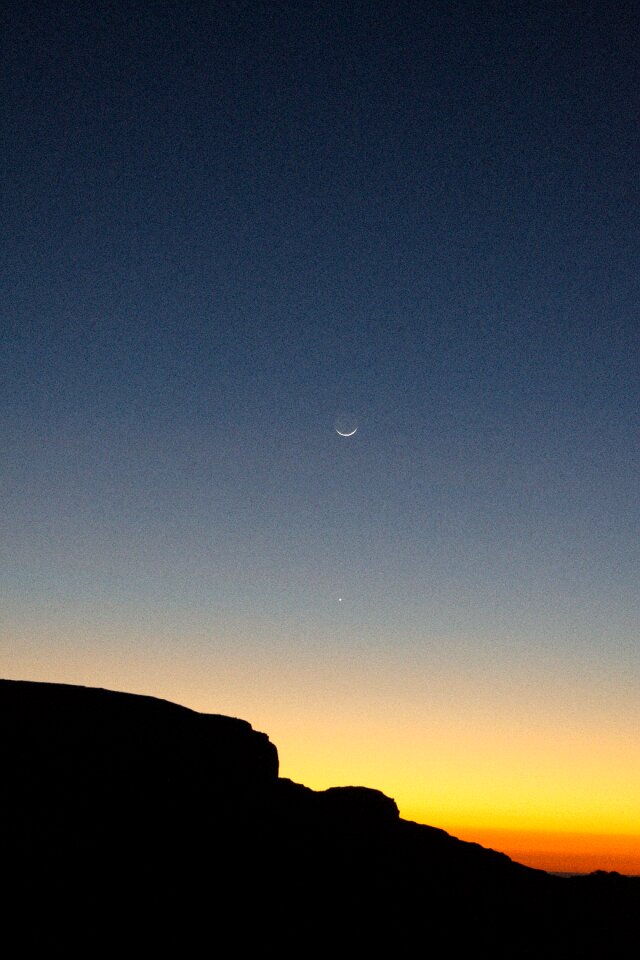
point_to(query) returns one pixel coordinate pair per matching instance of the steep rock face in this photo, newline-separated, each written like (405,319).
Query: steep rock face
(110,731)
(129,817)
(89,768)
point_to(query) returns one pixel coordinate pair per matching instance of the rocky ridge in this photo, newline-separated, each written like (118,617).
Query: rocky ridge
(157,825)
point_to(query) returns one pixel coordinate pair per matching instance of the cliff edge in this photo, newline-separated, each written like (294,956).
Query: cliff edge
(135,822)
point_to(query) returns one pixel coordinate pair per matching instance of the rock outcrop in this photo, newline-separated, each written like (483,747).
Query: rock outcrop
(104,736)
(134,824)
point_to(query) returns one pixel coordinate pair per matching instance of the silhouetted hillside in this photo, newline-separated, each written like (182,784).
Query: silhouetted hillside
(133,822)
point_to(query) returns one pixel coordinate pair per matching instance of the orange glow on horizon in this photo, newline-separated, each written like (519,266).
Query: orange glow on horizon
(560,852)
(554,783)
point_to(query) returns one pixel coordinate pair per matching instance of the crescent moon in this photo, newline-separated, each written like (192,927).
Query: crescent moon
(341,434)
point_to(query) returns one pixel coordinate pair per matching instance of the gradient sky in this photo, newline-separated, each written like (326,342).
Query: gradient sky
(228,223)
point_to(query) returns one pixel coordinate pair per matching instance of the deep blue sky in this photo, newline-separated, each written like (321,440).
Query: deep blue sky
(226,223)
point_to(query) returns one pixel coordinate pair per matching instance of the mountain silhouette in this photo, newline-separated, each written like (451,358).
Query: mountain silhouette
(132,823)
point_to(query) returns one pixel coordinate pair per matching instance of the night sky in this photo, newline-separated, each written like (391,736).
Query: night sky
(227,224)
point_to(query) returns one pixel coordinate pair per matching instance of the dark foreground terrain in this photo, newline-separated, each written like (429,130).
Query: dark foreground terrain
(134,824)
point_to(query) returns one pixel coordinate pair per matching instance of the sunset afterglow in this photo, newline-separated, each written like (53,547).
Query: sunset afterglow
(320,387)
